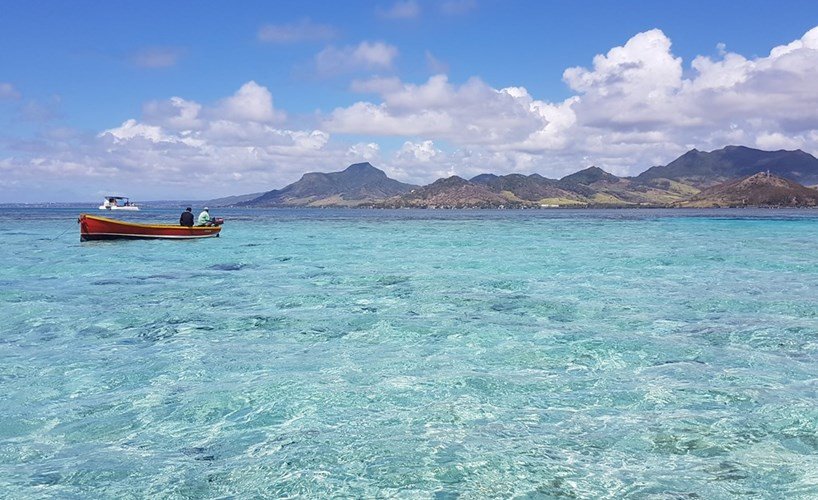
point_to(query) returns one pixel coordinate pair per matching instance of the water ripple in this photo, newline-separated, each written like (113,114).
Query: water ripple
(370,354)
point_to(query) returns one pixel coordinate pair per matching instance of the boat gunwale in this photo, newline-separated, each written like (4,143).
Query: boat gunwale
(150,226)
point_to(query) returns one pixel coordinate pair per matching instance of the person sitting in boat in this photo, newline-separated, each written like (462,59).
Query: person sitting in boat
(204,218)
(186,218)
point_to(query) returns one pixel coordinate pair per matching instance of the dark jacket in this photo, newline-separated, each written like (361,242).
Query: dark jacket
(186,219)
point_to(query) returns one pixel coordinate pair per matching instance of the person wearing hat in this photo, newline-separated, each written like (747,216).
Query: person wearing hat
(186,218)
(204,218)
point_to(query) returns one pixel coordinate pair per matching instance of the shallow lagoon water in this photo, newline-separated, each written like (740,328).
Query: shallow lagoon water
(445,354)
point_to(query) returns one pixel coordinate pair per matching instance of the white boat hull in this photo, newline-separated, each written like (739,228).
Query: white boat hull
(130,208)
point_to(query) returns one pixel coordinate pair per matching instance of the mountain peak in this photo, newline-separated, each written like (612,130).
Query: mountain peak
(765,178)
(359,183)
(693,153)
(364,166)
(589,176)
(452,181)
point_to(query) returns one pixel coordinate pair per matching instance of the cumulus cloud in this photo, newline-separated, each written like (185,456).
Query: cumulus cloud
(181,148)
(407,9)
(239,124)
(251,102)
(304,30)
(157,57)
(418,152)
(472,113)
(637,78)
(364,56)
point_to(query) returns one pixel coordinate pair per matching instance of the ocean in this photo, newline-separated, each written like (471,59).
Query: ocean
(413,354)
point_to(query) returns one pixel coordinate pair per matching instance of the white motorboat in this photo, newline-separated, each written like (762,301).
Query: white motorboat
(118,203)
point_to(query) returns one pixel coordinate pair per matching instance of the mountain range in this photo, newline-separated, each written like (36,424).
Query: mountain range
(704,169)
(359,184)
(732,176)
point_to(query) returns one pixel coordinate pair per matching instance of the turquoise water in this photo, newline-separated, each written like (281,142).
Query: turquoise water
(413,354)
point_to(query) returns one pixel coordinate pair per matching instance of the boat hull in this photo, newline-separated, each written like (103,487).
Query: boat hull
(129,208)
(102,228)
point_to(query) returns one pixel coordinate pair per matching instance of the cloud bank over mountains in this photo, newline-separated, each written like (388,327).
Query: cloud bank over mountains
(635,106)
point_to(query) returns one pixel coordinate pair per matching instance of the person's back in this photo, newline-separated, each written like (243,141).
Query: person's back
(186,218)
(204,218)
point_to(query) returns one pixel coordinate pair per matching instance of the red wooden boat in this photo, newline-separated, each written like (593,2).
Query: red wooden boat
(102,228)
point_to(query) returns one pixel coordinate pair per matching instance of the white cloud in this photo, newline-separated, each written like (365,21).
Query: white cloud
(808,41)
(175,113)
(131,129)
(777,140)
(640,85)
(157,57)
(8,91)
(419,152)
(251,102)
(644,61)
(557,122)
(370,151)
(364,56)
(402,9)
(181,148)
(472,113)
(368,118)
(635,81)
(302,31)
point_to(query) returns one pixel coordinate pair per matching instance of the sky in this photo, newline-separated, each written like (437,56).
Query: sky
(202,99)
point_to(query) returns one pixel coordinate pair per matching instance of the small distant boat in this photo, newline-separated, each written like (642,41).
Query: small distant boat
(118,203)
(103,228)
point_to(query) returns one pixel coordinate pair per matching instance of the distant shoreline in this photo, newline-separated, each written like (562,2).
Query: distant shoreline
(90,207)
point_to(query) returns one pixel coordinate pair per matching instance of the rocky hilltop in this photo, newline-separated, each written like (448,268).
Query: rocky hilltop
(759,190)
(451,192)
(694,179)
(528,189)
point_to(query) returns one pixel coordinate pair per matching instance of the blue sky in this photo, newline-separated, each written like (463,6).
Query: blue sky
(203,99)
